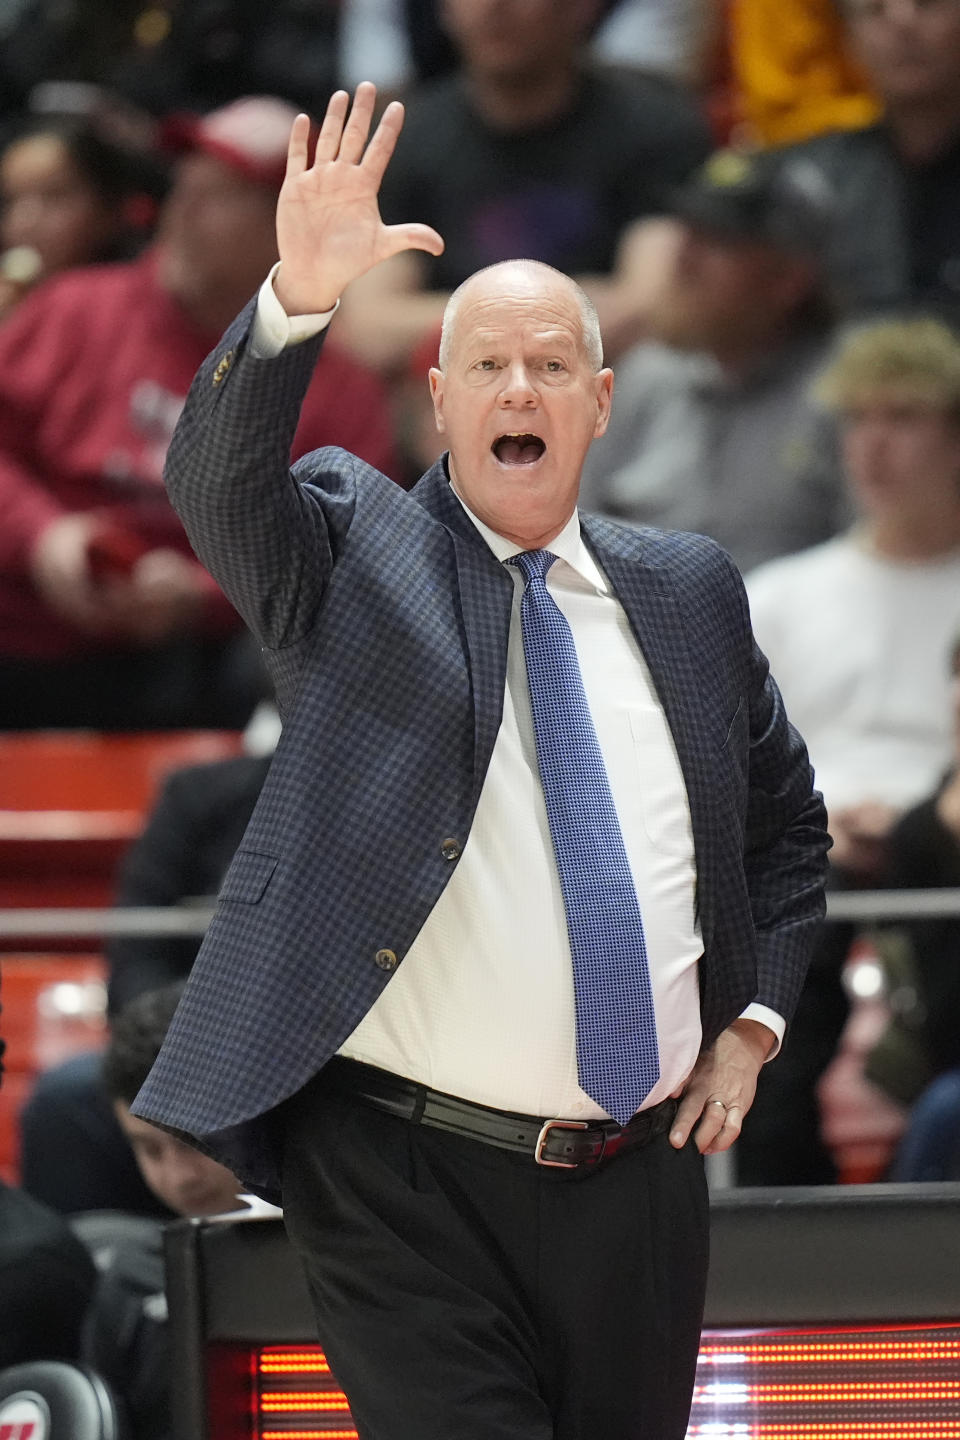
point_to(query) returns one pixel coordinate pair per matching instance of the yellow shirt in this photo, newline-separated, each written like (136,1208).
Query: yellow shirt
(793,73)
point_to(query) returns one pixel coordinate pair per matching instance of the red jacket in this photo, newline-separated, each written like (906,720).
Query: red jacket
(94,368)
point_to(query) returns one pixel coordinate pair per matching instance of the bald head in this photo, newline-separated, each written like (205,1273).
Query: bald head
(520,395)
(527,279)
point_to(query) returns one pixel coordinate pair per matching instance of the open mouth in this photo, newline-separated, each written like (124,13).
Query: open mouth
(518,449)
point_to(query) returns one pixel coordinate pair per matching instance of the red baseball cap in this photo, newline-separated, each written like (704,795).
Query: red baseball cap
(249,135)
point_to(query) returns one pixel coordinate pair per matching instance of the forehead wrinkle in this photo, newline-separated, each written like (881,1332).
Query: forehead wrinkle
(551,338)
(532,321)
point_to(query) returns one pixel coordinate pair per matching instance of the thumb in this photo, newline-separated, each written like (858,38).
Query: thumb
(413,237)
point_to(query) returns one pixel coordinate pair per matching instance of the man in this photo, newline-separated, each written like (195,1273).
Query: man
(106,620)
(525,150)
(791,71)
(859,630)
(125,1333)
(898,237)
(713,429)
(484,1272)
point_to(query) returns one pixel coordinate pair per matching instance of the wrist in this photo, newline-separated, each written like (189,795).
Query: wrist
(758,1038)
(295,299)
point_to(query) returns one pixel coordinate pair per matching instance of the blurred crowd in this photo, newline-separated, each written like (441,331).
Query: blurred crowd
(763,199)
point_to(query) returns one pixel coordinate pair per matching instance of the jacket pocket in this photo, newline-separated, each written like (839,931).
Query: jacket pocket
(249,875)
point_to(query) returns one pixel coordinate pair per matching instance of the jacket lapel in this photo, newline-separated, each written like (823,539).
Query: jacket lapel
(486,595)
(657,620)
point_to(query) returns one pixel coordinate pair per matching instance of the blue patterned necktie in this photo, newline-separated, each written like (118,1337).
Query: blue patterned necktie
(617,1057)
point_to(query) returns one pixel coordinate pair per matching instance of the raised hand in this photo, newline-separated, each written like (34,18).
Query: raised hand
(329,229)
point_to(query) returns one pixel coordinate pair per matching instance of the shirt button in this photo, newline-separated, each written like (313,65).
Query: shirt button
(450,848)
(385,960)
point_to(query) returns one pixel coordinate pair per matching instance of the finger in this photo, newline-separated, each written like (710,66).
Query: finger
(688,1111)
(328,140)
(728,1132)
(723,1139)
(384,141)
(710,1128)
(413,237)
(733,1122)
(357,128)
(297,158)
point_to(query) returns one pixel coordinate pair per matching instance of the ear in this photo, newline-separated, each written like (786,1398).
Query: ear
(604,383)
(435,377)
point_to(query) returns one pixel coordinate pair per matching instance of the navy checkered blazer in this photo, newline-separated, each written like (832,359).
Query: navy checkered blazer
(384,617)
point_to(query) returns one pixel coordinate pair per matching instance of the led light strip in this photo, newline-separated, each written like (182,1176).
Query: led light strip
(283,1403)
(869,1351)
(828,1430)
(839,1392)
(320,1435)
(278,1362)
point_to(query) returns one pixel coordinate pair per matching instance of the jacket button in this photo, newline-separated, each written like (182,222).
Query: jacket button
(450,848)
(385,960)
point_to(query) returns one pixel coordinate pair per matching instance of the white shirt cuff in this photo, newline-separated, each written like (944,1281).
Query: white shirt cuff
(773,1022)
(273,329)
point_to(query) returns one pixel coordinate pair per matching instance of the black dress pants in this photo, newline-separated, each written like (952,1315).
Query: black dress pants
(465,1293)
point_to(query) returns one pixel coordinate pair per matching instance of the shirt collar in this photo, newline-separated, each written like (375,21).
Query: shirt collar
(568,546)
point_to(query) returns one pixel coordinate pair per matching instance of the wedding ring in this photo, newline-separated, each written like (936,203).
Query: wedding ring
(721,1103)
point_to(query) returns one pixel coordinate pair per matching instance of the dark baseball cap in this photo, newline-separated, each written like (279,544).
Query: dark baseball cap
(785,200)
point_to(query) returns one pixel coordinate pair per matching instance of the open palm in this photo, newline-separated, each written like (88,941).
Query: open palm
(329,229)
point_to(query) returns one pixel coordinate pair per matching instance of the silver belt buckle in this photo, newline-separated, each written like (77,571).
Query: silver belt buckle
(545,1129)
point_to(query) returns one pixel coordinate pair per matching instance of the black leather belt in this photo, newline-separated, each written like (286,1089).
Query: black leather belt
(563,1144)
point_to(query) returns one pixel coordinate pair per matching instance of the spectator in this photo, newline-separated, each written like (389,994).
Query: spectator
(859,629)
(898,237)
(512,156)
(69,197)
(793,71)
(125,1336)
(712,428)
(392,41)
(74,1156)
(106,619)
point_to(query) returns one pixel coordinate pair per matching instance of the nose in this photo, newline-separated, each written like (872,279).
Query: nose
(186,1177)
(518,390)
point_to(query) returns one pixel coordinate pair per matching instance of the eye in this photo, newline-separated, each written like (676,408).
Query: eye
(555,367)
(485,365)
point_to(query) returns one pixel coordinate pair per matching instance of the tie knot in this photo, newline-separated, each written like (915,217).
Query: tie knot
(533,563)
